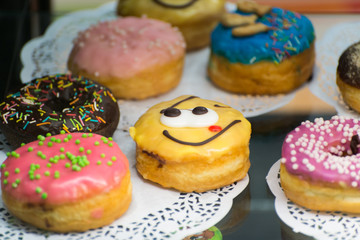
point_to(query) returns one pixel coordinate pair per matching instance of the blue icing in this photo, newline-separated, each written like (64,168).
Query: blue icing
(292,33)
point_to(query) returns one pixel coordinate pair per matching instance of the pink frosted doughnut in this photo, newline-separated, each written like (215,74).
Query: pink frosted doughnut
(68,182)
(320,165)
(122,52)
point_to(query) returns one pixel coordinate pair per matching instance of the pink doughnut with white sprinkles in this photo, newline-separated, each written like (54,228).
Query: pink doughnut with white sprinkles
(326,150)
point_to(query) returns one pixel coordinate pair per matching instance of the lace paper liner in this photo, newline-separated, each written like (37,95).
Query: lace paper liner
(317,224)
(48,54)
(328,51)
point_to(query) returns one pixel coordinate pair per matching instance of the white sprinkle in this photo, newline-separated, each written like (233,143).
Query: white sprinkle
(295,166)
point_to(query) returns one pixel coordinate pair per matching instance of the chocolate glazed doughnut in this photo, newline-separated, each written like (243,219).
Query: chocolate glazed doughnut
(348,76)
(58,102)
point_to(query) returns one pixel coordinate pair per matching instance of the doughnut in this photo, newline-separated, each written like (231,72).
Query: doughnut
(67,182)
(194,18)
(192,144)
(212,233)
(136,58)
(58,102)
(320,165)
(261,50)
(348,76)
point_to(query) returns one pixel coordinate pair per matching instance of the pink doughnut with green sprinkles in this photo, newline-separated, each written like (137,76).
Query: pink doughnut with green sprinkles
(64,168)
(58,102)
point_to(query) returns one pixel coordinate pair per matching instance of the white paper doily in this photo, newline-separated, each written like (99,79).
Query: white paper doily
(48,54)
(328,51)
(320,225)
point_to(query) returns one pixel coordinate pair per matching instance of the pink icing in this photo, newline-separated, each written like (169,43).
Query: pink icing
(126,46)
(71,185)
(321,151)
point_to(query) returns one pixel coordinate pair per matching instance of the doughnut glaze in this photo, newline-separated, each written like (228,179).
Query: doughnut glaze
(324,151)
(63,169)
(125,46)
(349,65)
(290,34)
(58,102)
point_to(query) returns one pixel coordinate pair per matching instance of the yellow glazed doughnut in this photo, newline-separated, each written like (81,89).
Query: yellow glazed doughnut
(194,18)
(192,144)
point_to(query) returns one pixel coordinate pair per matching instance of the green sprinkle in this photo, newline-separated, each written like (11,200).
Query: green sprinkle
(5,181)
(77,141)
(81,149)
(109,163)
(96,143)
(69,136)
(48,134)
(98,162)
(90,134)
(53,139)
(48,165)
(17,181)
(56,174)
(66,140)
(47,173)
(17,170)
(62,149)
(8,154)
(62,132)
(50,144)
(13,153)
(6,173)
(111,144)
(43,156)
(58,140)
(37,176)
(105,141)
(30,149)
(40,137)
(37,166)
(110,138)
(62,156)
(113,158)
(44,196)
(3,165)
(31,177)
(39,153)
(38,190)
(84,135)
(88,151)
(102,155)
(14,185)
(22,144)
(41,143)
(67,165)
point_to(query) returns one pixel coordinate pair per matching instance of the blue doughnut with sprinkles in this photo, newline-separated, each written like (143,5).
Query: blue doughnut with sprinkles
(59,102)
(260,49)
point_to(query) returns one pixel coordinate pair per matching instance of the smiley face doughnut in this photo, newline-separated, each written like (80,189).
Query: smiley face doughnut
(67,182)
(320,165)
(192,144)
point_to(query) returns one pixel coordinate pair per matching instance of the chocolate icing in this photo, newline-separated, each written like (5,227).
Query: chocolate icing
(185,5)
(349,65)
(177,103)
(167,134)
(199,110)
(58,102)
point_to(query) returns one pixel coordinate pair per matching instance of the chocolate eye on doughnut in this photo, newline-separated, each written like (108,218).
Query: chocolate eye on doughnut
(172,112)
(199,110)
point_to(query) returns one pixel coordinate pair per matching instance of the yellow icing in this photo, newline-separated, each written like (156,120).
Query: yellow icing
(148,133)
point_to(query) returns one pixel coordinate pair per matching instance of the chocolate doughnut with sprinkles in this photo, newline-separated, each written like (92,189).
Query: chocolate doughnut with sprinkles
(58,102)
(67,182)
(348,76)
(320,165)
